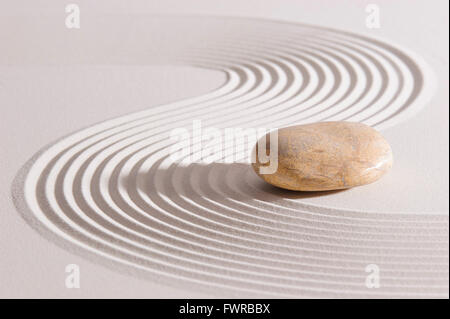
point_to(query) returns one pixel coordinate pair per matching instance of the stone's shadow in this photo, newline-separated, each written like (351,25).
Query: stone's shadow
(291,194)
(239,170)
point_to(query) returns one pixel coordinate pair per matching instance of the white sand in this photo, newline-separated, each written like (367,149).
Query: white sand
(112,197)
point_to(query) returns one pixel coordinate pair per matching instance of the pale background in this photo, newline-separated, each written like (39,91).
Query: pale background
(35,115)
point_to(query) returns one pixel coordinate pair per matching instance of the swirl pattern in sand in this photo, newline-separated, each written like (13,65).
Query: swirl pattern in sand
(111,193)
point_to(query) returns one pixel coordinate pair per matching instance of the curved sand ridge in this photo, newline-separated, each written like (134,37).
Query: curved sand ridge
(111,193)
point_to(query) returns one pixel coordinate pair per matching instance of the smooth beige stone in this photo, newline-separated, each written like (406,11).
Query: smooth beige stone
(328,156)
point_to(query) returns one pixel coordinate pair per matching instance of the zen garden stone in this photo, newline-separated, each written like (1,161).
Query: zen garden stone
(327,156)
